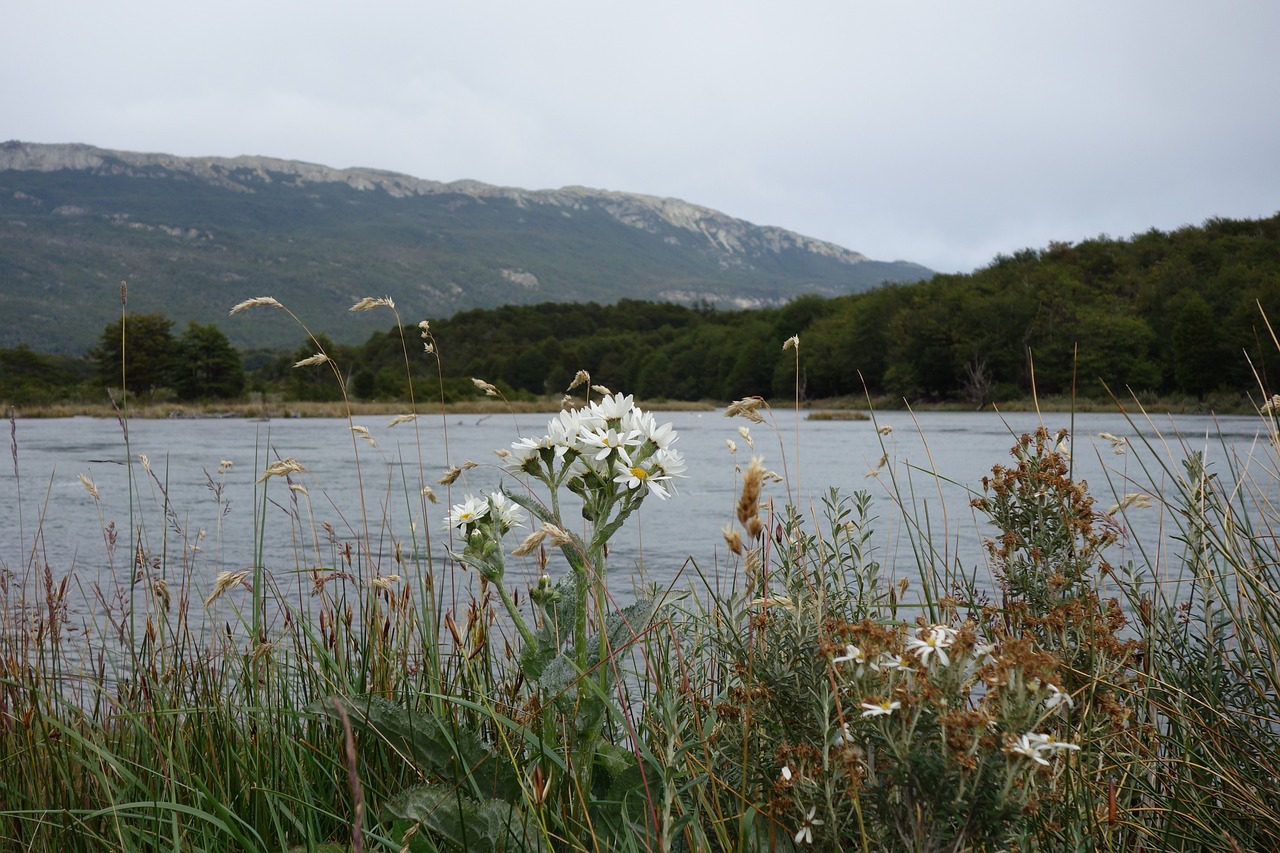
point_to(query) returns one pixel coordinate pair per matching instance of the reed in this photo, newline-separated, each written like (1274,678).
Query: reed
(421,697)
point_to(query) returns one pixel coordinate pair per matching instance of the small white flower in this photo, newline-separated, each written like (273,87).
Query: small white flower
(879,709)
(786,773)
(1029,746)
(614,406)
(505,511)
(470,511)
(804,835)
(851,653)
(1033,745)
(1056,698)
(606,441)
(932,641)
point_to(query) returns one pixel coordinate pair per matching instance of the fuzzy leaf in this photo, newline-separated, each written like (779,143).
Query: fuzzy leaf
(437,746)
(464,823)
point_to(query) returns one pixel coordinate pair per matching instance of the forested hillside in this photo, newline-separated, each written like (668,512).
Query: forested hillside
(1180,313)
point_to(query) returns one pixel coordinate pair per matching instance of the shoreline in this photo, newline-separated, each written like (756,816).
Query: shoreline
(830,408)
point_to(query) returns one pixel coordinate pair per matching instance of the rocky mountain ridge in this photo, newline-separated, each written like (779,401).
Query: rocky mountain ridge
(194,234)
(734,237)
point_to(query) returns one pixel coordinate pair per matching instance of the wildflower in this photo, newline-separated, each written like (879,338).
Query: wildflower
(225,465)
(647,426)
(983,653)
(792,342)
(843,736)
(879,709)
(786,773)
(470,511)
(855,654)
(665,465)
(804,835)
(1056,698)
(507,513)
(612,405)
(902,662)
(488,389)
(932,641)
(254,302)
(1033,746)
(1029,746)
(609,440)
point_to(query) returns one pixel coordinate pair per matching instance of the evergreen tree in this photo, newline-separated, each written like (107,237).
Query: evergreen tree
(148,353)
(206,365)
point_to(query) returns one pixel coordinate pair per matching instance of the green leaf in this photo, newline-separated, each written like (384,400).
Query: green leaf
(437,745)
(468,824)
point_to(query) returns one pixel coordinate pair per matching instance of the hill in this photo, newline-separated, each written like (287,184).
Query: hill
(193,236)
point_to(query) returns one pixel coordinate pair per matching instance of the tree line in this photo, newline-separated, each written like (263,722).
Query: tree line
(1182,312)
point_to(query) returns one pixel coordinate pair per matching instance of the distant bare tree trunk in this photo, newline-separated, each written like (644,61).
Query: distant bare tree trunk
(977,382)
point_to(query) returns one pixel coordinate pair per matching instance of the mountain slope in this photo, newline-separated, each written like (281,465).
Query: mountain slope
(193,236)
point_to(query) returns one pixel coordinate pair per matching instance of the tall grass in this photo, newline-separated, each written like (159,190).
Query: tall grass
(829,699)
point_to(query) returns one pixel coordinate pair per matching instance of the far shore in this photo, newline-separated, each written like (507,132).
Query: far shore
(841,408)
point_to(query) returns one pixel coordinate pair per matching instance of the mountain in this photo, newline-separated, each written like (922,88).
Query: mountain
(194,236)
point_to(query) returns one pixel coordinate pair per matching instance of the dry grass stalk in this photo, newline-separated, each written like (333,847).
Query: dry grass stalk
(255,302)
(749,501)
(224,582)
(747,407)
(282,468)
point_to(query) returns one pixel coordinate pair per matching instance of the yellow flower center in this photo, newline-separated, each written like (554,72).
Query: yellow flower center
(639,473)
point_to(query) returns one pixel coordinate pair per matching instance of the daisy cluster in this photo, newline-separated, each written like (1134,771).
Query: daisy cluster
(928,649)
(609,441)
(494,510)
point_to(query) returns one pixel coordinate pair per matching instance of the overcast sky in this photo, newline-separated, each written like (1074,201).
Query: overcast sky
(937,132)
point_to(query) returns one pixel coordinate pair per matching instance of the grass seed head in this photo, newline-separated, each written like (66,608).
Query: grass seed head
(255,302)
(224,582)
(88,486)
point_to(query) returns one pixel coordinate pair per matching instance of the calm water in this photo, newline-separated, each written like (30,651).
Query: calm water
(47,517)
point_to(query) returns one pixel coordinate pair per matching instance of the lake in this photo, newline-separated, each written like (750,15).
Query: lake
(213,513)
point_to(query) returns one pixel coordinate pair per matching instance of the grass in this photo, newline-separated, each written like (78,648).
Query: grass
(421,700)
